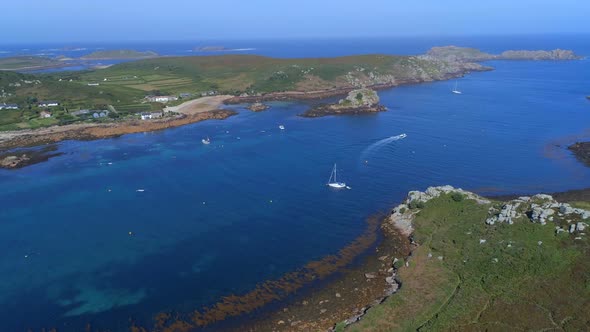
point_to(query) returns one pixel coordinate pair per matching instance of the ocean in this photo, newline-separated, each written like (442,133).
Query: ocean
(158,222)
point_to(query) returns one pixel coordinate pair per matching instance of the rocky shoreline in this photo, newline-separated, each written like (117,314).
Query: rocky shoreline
(91,131)
(258,107)
(538,209)
(342,92)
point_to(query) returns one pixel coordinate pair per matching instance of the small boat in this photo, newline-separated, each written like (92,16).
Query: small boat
(206,140)
(333,181)
(281,127)
(140,190)
(456,91)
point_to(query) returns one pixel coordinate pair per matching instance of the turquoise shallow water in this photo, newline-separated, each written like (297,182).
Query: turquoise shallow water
(216,220)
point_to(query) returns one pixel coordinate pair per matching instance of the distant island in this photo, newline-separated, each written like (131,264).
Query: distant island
(466,54)
(211,49)
(119,54)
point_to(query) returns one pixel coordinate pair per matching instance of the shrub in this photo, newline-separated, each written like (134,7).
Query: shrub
(415,204)
(359,96)
(402,210)
(457,197)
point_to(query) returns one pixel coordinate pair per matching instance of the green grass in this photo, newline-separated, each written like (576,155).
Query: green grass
(508,283)
(128,83)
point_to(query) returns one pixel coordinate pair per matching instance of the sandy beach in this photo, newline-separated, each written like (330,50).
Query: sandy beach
(189,112)
(199,105)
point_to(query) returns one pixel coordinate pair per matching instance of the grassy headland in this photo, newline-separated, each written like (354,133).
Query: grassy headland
(468,275)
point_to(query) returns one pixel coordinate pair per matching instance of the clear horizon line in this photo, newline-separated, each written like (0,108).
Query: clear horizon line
(308,38)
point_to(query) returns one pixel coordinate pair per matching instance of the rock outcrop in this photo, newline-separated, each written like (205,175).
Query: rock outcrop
(403,214)
(541,209)
(258,107)
(360,101)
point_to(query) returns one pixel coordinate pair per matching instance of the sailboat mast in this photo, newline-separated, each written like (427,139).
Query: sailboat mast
(335,180)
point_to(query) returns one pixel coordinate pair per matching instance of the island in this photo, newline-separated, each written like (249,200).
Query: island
(119,54)
(211,49)
(360,101)
(466,54)
(258,107)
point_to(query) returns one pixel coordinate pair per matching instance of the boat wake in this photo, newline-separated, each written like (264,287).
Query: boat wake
(381,143)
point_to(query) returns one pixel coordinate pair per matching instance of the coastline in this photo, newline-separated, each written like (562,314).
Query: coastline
(93,131)
(339,92)
(399,226)
(190,112)
(196,110)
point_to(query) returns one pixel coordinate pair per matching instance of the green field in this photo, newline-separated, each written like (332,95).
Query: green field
(510,282)
(125,85)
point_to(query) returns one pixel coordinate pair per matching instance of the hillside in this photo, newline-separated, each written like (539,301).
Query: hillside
(255,75)
(487,265)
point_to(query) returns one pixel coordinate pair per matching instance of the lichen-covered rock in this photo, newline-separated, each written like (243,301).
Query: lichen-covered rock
(258,107)
(357,102)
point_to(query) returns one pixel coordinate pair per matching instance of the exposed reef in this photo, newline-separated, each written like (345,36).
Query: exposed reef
(582,151)
(258,107)
(25,157)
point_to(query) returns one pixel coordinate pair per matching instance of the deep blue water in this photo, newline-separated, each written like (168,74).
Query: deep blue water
(216,220)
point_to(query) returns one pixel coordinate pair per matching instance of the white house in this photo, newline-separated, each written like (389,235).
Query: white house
(8,106)
(45,114)
(154,115)
(48,103)
(161,99)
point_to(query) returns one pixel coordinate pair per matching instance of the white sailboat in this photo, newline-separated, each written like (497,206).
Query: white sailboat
(281,127)
(333,181)
(456,90)
(206,140)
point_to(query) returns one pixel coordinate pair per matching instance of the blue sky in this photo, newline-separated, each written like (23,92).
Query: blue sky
(126,20)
